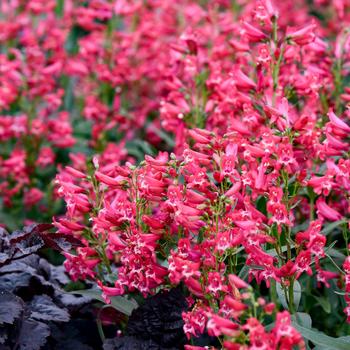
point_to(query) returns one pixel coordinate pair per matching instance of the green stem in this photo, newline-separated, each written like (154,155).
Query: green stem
(100,328)
(345,235)
(273,292)
(291,296)
(275,74)
(337,85)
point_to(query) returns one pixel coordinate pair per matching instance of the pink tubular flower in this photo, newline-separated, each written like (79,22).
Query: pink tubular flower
(236,308)
(324,210)
(337,122)
(322,184)
(242,81)
(108,292)
(110,181)
(324,276)
(46,157)
(236,282)
(75,173)
(252,33)
(285,335)
(220,326)
(82,265)
(304,35)
(302,263)
(214,284)
(194,322)
(194,286)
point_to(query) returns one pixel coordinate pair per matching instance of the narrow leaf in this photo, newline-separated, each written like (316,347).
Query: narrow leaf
(296,293)
(122,304)
(322,339)
(324,303)
(330,227)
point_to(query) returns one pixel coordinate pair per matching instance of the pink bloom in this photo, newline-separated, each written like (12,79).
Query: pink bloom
(108,292)
(32,197)
(217,326)
(304,35)
(324,210)
(82,265)
(302,263)
(236,282)
(242,81)
(337,122)
(252,33)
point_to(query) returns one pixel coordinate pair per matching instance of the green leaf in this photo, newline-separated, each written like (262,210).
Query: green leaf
(330,227)
(335,253)
(261,204)
(282,297)
(340,293)
(243,274)
(163,135)
(319,338)
(145,146)
(303,319)
(273,252)
(320,347)
(122,304)
(297,294)
(324,303)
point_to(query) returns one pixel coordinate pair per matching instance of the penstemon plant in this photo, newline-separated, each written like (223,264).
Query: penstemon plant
(202,219)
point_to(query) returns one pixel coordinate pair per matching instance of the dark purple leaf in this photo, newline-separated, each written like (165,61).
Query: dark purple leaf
(42,228)
(68,299)
(3,335)
(33,335)
(73,344)
(4,239)
(160,318)
(59,241)
(36,230)
(29,245)
(11,307)
(14,281)
(19,235)
(58,274)
(26,264)
(44,309)
(4,258)
(128,343)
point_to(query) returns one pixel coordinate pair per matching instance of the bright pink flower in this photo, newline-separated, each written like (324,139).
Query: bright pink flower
(252,33)
(324,210)
(337,122)
(236,282)
(220,326)
(302,263)
(81,266)
(286,335)
(108,292)
(302,36)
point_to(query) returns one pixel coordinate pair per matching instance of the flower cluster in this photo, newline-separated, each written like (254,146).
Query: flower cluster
(76,78)
(193,219)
